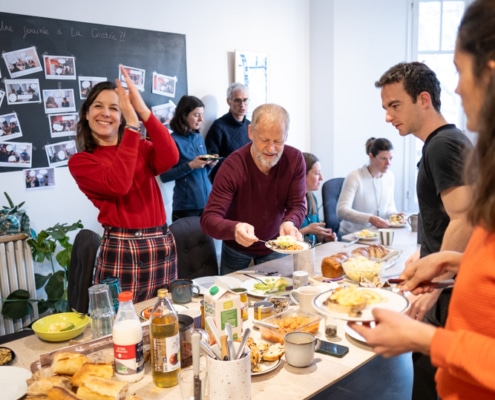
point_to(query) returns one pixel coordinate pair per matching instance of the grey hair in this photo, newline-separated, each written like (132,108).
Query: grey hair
(234,87)
(272,113)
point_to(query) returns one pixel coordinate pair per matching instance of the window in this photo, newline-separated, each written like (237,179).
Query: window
(434,30)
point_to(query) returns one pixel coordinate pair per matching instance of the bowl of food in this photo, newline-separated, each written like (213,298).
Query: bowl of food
(358,268)
(276,326)
(60,327)
(366,234)
(280,303)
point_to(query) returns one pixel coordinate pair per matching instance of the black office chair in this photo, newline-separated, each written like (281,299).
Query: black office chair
(196,252)
(330,193)
(81,268)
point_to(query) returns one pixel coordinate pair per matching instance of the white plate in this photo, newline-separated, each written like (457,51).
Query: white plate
(305,246)
(178,308)
(267,366)
(366,238)
(392,301)
(397,225)
(206,282)
(13,382)
(353,334)
(249,285)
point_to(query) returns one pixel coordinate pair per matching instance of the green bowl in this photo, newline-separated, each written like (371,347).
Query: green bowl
(42,326)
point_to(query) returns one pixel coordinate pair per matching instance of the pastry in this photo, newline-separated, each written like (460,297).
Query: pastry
(103,370)
(67,363)
(96,388)
(331,267)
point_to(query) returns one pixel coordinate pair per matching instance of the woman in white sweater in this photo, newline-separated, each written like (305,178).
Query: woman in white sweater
(367,196)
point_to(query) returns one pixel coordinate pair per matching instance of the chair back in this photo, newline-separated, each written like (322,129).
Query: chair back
(196,252)
(330,193)
(81,269)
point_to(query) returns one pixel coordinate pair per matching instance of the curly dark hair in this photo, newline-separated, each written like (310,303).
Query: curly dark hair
(417,78)
(84,138)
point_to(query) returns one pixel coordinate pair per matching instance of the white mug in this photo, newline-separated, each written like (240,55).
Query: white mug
(304,296)
(299,278)
(300,348)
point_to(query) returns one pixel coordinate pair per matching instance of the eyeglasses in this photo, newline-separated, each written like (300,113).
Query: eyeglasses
(240,101)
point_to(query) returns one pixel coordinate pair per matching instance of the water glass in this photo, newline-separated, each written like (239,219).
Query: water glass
(114,284)
(100,310)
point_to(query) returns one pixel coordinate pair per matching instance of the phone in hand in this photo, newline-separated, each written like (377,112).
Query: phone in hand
(332,349)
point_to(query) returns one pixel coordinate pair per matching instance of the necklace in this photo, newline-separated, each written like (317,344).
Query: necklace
(378,193)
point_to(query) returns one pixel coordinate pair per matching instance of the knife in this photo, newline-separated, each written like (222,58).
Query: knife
(445,284)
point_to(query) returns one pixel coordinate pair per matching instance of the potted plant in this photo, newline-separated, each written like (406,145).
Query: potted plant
(44,247)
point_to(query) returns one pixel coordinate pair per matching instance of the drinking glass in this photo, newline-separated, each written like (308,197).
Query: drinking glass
(100,310)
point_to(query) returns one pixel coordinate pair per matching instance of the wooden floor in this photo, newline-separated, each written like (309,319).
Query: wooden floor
(380,379)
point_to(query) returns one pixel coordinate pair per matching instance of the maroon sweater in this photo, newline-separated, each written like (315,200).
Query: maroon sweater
(120,180)
(242,193)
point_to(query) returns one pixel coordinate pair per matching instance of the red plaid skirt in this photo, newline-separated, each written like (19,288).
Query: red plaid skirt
(145,260)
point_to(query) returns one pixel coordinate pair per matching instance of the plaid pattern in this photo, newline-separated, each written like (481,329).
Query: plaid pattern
(145,260)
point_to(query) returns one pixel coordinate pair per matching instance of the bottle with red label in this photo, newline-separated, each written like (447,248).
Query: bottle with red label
(128,341)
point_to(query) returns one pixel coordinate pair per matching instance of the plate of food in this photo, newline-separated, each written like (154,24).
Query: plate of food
(7,356)
(353,334)
(353,303)
(145,314)
(206,282)
(269,286)
(397,221)
(210,157)
(287,245)
(265,357)
(366,235)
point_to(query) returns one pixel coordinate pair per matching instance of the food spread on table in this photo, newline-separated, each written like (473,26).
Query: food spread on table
(352,300)
(263,353)
(285,243)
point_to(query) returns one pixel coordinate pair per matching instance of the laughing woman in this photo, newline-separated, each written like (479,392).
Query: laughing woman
(115,168)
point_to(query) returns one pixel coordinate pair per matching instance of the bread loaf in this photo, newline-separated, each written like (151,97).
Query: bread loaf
(103,370)
(96,388)
(40,387)
(374,251)
(60,393)
(67,363)
(360,251)
(331,267)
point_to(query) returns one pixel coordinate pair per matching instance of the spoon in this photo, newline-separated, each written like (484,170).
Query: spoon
(79,314)
(245,336)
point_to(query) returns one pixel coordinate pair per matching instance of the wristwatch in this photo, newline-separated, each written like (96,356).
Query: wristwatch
(132,128)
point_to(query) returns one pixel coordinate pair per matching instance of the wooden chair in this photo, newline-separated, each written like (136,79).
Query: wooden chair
(196,252)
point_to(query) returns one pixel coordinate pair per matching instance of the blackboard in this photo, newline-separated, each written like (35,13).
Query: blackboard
(60,56)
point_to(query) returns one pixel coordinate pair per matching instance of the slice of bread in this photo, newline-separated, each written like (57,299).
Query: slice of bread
(67,363)
(59,393)
(103,370)
(274,352)
(96,388)
(41,386)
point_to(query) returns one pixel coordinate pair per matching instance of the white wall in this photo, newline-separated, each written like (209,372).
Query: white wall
(214,29)
(324,57)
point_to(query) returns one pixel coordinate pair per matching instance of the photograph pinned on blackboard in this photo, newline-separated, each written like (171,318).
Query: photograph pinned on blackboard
(16,155)
(86,83)
(164,112)
(10,127)
(22,62)
(63,124)
(164,85)
(58,154)
(39,178)
(136,74)
(59,67)
(59,100)
(2,96)
(22,91)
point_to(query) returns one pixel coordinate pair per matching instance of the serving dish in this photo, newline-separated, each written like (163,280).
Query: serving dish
(303,246)
(42,327)
(253,291)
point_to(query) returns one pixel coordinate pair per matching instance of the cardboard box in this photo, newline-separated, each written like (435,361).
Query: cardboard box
(224,306)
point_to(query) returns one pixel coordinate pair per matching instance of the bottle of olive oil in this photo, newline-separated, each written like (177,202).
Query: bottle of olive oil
(164,342)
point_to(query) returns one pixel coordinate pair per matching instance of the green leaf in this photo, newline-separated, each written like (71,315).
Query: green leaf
(41,280)
(63,257)
(17,305)
(55,286)
(45,305)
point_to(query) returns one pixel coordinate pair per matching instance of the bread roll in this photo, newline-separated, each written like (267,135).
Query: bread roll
(331,267)
(41,386)
(96,388)
(274,352)
(360,251)
(59,393)
(377,251)
(67,363)
(103,370)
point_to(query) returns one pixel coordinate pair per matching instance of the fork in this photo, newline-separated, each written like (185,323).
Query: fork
(254,277)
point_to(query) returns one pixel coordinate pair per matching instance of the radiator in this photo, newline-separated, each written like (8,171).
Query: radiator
(16,272)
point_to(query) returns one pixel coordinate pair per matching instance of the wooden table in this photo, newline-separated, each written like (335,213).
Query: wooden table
(284,382)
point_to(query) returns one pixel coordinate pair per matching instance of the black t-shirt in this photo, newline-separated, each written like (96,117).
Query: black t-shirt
(440,168)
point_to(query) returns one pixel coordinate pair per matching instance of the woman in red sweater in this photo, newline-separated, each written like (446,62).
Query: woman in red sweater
(116,168)
(463,351)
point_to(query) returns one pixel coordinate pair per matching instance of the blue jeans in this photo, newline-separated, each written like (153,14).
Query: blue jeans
(233,260)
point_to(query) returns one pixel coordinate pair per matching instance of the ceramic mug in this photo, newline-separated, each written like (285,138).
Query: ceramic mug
(300,348)
(413,221)
(183,290)
(304,296)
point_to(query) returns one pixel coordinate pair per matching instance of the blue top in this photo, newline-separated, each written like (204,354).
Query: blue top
(310,217)
(192,186)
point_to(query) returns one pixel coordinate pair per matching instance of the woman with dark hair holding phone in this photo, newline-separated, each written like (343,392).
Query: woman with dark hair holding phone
(464,350)
(367,196)
(192,186)
(115,168)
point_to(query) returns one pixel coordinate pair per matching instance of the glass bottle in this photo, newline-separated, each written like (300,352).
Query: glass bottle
(128,341)
(164,342)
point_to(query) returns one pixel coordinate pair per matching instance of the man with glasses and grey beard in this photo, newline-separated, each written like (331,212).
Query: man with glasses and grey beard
(258,194)
(229,132)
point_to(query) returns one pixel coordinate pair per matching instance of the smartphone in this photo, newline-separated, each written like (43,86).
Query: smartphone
(332,349)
